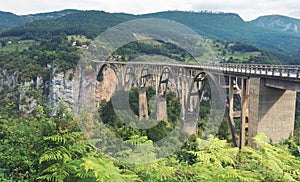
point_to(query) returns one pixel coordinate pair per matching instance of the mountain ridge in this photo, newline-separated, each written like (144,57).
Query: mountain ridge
(227,27)
(10,20)
(49,15)
(60,13)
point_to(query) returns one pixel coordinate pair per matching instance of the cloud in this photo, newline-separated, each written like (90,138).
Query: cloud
(137,6)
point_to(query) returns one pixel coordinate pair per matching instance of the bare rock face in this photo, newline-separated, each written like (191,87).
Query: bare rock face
(7,81)
(278,23)
(64,89)
(61,89)
(105,89)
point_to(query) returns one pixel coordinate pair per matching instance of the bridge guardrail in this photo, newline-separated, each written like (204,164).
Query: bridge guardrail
(289,71)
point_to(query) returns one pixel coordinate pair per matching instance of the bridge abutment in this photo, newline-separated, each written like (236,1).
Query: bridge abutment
(271,111)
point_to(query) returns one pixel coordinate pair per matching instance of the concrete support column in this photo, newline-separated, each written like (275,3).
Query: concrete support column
(156,83)
(244,98)
(183,93)
(190,124)
(161,109)
(231,111)
(143,107)
(271,111)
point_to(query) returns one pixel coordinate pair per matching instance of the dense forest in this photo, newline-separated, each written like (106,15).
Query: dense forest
(37,145)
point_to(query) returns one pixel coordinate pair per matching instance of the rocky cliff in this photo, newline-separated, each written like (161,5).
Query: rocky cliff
(105,89)
(278,23)
(62,89)
(65,89)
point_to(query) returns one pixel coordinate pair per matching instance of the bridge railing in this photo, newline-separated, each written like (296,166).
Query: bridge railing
(290,71)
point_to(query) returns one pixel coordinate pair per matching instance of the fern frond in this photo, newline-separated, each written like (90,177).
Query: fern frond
(101,168)
(56,154)
(54,173)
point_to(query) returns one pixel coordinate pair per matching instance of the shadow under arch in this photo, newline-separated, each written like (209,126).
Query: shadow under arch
(196,90)
(130,78)
(164,78)
(145,74)
(104,66)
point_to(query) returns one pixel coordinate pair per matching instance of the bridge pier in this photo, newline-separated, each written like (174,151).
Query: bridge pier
(161,108)
(143,107)
(271,111)
(234,89)
(190,123)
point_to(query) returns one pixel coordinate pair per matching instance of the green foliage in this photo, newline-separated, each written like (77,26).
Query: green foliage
(243,47)
(134,100)
(52,149)
(19,144)
(159,131)
(278,163)
(40,147)
(293,144)
(150,47)
(241,52)
(108,115)
(158,171)
(219,161)
(101,169)
(43,58)
(9,103)
(173,108)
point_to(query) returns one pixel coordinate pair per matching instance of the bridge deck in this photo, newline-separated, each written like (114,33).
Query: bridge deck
(286,72)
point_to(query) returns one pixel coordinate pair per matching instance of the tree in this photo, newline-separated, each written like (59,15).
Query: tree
(3,43)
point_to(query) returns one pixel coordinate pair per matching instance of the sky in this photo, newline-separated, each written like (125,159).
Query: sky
(247,9)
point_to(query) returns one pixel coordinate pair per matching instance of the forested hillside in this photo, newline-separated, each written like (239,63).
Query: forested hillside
(231,28)
(9,20)
(49,15)
(88,23)
(226,27)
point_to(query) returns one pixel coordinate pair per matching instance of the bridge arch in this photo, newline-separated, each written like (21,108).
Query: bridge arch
(145,73)
(111,66)
(130,77)
(164,78)
(195,92)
